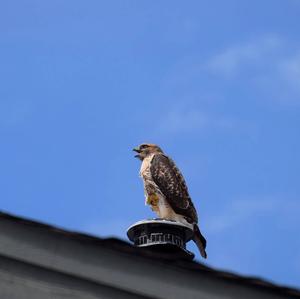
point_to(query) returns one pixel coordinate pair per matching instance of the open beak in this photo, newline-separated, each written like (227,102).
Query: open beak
(137,150)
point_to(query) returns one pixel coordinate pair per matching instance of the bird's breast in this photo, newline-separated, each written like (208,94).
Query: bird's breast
(145,167)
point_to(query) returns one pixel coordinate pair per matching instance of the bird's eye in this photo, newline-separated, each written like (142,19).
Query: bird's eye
(143,146)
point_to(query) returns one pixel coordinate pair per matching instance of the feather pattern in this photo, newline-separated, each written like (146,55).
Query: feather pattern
(171,183)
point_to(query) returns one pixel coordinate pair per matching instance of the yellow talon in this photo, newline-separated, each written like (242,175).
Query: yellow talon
(152,200)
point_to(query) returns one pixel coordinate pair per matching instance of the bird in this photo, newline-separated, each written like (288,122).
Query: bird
(166,190)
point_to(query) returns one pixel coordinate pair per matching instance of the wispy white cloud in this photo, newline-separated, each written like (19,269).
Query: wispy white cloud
(232,59)
(270,66)
(266,68)
(240,211)
(281,83)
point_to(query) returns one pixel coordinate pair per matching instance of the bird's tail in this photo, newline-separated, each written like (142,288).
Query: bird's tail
(200,241)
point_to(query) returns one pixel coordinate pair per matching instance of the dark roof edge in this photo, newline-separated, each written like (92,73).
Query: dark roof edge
(125,247)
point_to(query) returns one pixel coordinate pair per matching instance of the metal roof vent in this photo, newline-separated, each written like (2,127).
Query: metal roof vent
(162,236)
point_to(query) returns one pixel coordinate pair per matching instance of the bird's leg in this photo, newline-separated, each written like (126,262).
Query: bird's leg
(152,200)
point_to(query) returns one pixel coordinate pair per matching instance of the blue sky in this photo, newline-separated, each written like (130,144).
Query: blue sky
(215,83)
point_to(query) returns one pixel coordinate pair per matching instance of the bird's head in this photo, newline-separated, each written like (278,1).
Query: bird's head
(146,149)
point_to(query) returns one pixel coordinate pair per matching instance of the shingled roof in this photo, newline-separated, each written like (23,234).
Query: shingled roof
(56,249)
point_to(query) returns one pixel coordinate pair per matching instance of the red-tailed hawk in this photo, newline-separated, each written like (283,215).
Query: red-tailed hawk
(166,191)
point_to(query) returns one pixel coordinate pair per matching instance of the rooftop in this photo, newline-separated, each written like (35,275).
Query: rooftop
(101,260)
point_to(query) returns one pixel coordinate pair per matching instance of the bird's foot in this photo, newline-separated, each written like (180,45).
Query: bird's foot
(152,200)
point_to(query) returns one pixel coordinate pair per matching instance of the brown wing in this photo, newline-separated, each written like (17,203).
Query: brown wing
(171,183)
